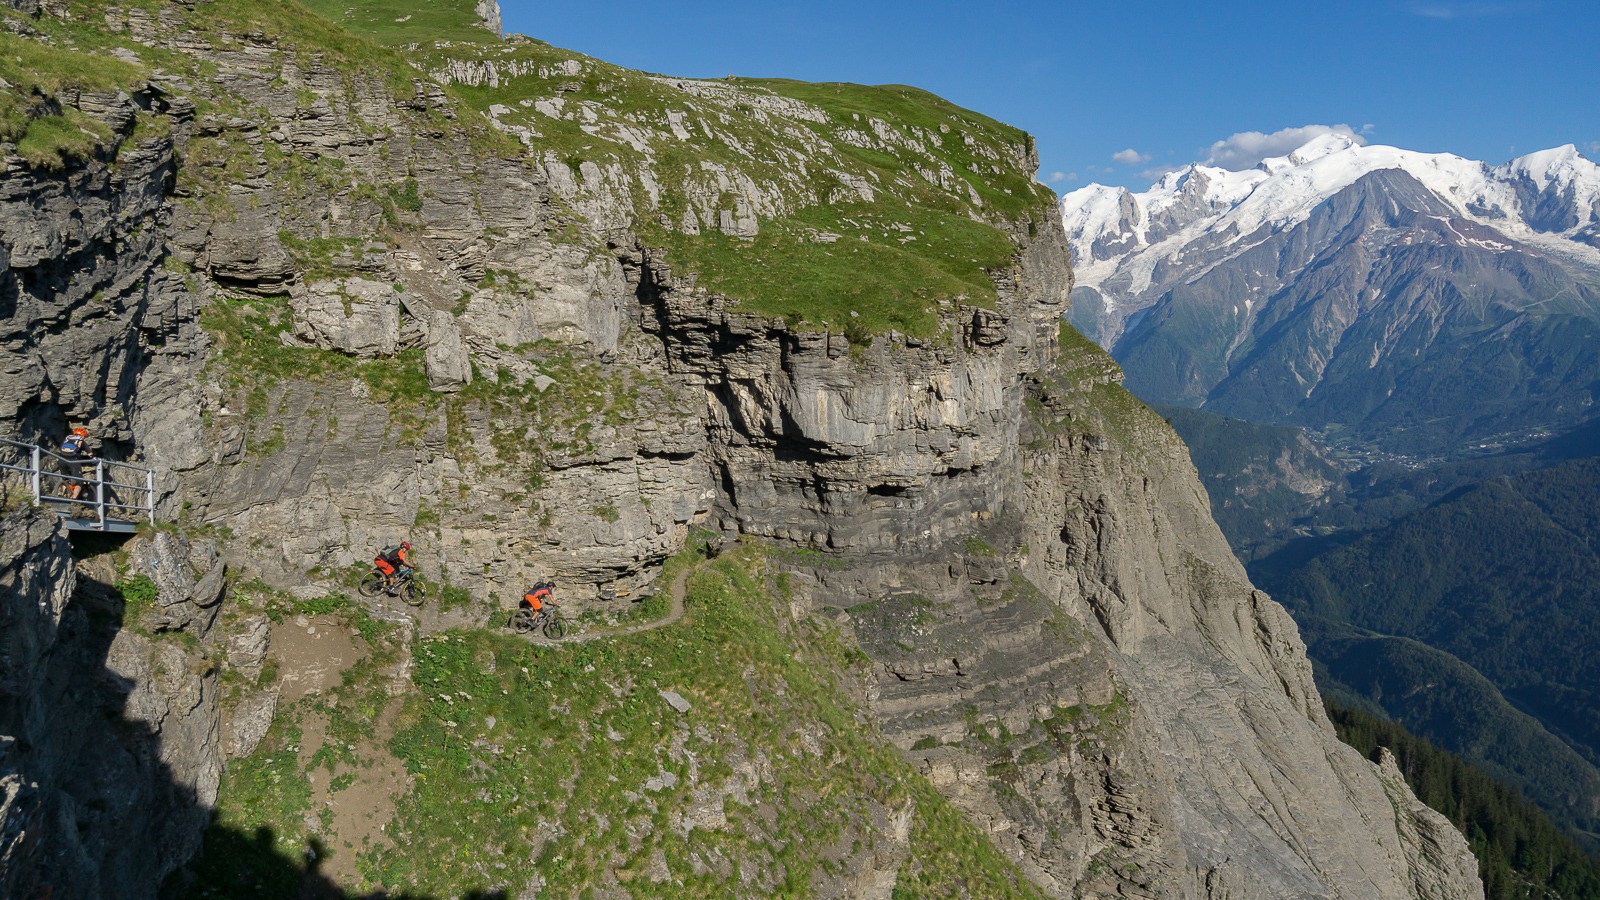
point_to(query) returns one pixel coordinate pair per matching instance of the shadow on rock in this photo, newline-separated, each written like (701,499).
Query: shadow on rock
(253,864)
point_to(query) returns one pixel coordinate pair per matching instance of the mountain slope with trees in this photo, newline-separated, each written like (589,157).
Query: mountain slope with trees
(1504,576)
(1521,854)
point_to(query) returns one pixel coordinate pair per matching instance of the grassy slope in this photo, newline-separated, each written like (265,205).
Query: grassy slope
(48,135)
(916,247)
(403,22)
(536,763)
(905,257)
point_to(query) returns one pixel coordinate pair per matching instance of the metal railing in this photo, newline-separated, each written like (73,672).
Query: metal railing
(87,493)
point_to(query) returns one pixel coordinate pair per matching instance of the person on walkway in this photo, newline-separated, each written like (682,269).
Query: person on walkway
(75,451)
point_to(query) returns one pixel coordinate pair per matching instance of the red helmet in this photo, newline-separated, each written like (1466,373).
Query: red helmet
(80,431)
(405,545)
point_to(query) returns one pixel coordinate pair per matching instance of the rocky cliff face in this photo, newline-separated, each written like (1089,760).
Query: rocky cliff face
(902,443)
(339,305)
(109,758)
(81,296)
(1091,675)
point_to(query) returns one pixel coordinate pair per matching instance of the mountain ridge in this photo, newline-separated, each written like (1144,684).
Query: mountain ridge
(1523,195)
(1371,294)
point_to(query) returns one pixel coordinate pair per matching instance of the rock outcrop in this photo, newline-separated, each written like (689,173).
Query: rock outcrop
(1089,652)
(109,757)
(80,291)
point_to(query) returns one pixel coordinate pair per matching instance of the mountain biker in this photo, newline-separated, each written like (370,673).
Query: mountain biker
(76,444)
(75,450)
(393,563)
(536,597)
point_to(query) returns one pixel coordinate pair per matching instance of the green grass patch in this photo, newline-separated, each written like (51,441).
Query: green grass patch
(403,22)
(571,749)
(890,269)
(988,155)
(947,861)
(32,67)
(258,834)
(48,134)
(139,595)
(944,179)
(977,546)
(452,597)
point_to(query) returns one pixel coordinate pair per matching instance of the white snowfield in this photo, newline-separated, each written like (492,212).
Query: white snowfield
(1225,212)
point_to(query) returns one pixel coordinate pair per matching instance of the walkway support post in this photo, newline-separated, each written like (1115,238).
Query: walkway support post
(35,476)
(100,491)
(150,494)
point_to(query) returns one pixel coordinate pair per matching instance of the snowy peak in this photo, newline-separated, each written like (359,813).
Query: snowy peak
(1096,205)
(1562,163)
(1557,191)
(1315,285)
(1323,145)
(1552,193)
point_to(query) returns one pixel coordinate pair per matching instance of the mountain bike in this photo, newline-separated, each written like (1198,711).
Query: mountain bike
(405,585)
(525,620)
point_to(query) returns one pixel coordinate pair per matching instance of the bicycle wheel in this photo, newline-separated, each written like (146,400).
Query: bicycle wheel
(371,584)
(413,593)
(555,628)
(521,621)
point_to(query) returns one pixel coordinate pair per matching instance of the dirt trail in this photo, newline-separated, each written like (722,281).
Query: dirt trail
(679,588)
(431,622)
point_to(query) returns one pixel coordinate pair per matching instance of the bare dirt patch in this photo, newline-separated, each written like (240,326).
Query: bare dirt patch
(312,654)
(353,799)
(362,810)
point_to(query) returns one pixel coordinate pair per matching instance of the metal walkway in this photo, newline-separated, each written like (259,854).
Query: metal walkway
(88,494)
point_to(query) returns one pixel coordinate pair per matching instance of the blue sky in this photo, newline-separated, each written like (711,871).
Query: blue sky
(1487,79)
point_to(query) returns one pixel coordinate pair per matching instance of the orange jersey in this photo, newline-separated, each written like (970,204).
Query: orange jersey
(535,598)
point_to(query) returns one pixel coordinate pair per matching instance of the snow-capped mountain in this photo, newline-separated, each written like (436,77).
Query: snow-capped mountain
(1339,285)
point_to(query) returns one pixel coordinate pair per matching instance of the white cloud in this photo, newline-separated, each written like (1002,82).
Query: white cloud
(1130,157)
(1471,9)
(1155,173)
(1592,148)
(1058,177)
(1245,149)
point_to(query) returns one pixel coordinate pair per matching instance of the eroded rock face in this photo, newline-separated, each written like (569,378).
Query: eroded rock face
(1093,677)
(109,758)
(900,443)
(489,12)
(80,291)
(354,315)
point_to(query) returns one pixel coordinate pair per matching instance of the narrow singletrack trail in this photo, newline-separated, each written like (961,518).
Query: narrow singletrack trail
(680,587)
